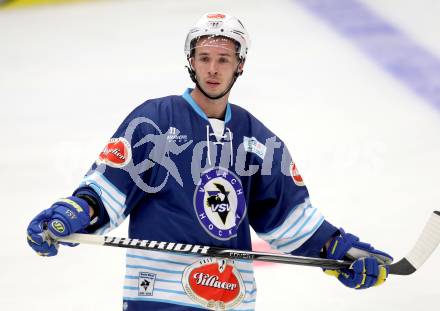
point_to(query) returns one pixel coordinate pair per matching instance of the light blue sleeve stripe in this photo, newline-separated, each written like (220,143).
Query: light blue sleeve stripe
(111,185)
(273,231)
(272,242)
(104,229)
(122,206)
(296,222)
(102,187)
(106,203)
(311,232)
(155,259)
(154,269)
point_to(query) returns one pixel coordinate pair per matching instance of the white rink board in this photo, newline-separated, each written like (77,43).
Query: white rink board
(367,147)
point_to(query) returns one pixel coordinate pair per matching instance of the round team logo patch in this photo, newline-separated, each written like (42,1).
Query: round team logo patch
(214,283)
(117,153)
(297,179)
(219,203)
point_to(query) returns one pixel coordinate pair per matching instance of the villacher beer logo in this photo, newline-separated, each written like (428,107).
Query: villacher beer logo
(219,203)
(117,153)
(214,283)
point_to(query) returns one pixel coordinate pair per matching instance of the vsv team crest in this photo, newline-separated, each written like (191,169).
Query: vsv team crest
(219,203)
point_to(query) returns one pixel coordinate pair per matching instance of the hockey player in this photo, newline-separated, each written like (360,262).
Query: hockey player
(196,169)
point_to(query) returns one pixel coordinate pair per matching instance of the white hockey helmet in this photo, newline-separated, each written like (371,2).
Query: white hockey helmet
(222,25)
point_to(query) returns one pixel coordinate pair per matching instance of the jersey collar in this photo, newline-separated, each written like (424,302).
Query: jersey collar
(199,111)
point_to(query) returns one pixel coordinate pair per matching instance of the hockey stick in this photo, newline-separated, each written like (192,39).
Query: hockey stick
(425,245)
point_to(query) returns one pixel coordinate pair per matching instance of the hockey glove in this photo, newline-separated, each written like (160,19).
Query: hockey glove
(369,268)
(63,218)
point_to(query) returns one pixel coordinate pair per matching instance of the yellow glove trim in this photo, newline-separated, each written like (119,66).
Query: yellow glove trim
(334,247)
(382,276)
(30,239)
(74,204)
(334,273)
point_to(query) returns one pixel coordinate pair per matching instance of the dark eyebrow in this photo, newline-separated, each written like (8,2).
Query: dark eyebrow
(221,54)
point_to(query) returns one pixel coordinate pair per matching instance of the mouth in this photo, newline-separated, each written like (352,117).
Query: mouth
(211,83)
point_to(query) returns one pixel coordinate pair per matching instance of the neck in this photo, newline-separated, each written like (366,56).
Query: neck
(213,108)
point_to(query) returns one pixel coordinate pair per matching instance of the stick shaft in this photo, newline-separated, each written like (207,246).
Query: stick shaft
(425,245)
(199,250)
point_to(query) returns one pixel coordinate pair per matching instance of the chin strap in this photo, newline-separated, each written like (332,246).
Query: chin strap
(192,74)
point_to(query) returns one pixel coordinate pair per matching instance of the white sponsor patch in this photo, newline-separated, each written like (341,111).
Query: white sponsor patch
(251,144)
(146,283)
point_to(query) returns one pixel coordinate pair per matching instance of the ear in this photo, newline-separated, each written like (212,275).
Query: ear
(191,61)
(240,67)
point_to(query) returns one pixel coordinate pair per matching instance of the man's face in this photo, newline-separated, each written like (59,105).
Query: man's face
(215,62)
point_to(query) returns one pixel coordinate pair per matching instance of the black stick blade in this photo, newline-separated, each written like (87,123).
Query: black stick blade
(402,267)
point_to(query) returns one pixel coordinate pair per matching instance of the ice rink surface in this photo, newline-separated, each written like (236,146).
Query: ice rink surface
(366,143)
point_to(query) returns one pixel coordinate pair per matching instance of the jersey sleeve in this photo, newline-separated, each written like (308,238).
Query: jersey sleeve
(281,212)
(117,180)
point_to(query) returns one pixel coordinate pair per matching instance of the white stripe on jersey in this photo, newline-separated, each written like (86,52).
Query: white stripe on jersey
(112,198)
(297,228)
(168,268)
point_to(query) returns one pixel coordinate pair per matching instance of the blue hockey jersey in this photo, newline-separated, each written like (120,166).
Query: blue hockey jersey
(181,182)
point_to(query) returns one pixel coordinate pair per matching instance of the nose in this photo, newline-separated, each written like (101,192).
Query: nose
(213,68)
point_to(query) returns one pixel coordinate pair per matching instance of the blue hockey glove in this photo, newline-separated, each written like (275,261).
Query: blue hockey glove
(369,268)
(63,218)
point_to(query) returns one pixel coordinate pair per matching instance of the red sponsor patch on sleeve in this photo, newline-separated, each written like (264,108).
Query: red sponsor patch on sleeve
(297,179)
(117,153)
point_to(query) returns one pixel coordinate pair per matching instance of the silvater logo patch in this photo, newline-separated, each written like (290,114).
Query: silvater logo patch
(219,203)
(214,283)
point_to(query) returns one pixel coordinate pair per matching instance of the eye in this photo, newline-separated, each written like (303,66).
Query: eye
(204,59)
(223,60)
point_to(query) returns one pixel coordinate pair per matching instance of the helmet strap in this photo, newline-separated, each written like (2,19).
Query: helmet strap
(193,76)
